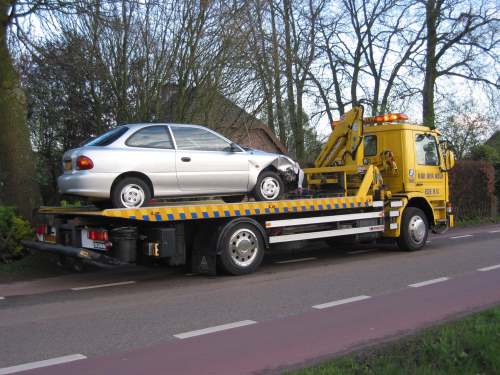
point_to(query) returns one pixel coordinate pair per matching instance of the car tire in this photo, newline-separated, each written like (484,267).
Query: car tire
(233,199)
(269,187)
(130,192)
(242,249)
(414,229)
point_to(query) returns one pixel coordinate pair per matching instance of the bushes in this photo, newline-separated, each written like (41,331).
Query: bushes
(472,189)
(12,230)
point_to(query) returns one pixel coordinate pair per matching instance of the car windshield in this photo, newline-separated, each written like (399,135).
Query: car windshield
(108,137)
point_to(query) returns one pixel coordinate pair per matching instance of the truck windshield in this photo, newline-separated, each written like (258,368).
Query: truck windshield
(108,137)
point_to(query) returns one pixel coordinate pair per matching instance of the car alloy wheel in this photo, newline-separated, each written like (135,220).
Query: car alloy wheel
(270,188)
(132,195)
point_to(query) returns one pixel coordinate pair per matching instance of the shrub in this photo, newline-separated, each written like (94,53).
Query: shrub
(13,229)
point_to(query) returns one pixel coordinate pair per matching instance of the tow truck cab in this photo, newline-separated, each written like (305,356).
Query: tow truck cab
(422,162)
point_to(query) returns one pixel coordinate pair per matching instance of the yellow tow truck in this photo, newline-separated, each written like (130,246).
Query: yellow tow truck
(376,178)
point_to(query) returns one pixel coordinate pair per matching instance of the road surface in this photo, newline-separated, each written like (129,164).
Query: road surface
(299,308)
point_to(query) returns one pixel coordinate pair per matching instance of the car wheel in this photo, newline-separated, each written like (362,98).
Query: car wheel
(269,187)
(242,249)
(233,198)
(414,229)
(131,192)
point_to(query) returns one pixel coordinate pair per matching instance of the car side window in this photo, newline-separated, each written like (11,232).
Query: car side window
(190,138)
(151,137)
(426,150)
(370,145)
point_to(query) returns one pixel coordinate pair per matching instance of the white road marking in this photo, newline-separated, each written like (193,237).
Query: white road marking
(39,364)
(429,282)
(206,331)
(464,236)
(428,241)
(340,302)
(490,268)
(360,251)
(295,260)
(494,231)
(2,298)
(103,285)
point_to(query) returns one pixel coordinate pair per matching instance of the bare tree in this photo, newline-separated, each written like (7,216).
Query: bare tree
(460,36)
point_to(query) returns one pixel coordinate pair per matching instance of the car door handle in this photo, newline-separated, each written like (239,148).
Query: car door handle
(186,159)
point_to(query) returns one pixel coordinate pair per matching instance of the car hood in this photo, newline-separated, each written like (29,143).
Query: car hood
(280,161)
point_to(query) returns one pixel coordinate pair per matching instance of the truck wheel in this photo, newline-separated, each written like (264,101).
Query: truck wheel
(414,229)
(269,187)
(242,249)
(131,192)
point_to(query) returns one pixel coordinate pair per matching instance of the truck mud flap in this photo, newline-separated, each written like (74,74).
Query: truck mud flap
(88,256)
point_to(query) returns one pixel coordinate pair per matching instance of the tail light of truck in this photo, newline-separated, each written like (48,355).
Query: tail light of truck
(45,233)
(98,235)
(84,163)
(41,229)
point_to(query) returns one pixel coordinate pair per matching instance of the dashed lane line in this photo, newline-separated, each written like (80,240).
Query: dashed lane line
(39,364)
(494,231)
(295,260)
(489,268)
(102,285)
(464,236)
(429,282)
(340,302)
(206,331)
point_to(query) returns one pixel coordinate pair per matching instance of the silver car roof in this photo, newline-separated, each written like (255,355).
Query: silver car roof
(143,124)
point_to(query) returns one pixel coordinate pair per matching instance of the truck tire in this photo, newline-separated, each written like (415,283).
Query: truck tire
(241,249)
(131,192)
(269,187)
(414,229)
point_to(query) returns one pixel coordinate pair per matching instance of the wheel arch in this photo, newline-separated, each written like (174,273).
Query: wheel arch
(140,175)
(424,205)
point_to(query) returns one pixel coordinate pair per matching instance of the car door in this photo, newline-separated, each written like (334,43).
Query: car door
(206,162)
(151,151)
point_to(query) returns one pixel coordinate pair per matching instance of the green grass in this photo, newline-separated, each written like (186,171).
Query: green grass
(32,266)
(465,222)
(465,347)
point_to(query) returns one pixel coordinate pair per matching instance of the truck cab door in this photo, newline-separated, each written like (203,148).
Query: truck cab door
(427,175)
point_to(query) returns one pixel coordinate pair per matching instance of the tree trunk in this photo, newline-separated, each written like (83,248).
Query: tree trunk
(289,77)
(277,78)
(430,66)
(18,186)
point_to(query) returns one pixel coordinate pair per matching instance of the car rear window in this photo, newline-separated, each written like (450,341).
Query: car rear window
(108,137)
(151,137)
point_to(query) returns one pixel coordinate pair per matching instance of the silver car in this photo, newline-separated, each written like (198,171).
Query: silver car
(131,164)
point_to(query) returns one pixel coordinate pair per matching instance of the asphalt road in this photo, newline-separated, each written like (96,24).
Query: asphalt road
(299,307)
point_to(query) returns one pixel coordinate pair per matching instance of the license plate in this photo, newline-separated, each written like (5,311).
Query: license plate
(99,245)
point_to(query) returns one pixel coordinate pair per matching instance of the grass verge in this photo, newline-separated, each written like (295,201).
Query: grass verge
(32,266)
(467,222)
(468,346)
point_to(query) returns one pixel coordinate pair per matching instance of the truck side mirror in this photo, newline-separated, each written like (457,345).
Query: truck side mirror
(449,159)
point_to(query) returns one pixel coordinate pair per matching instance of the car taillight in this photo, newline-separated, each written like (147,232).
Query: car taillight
(97,235)
(83,163)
